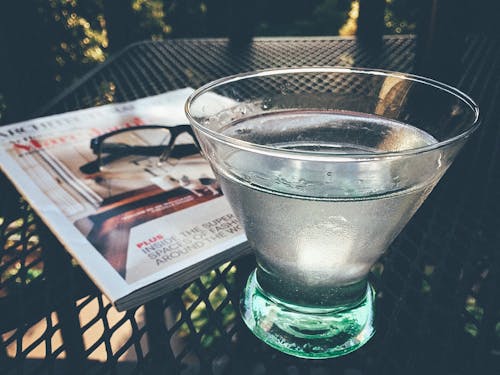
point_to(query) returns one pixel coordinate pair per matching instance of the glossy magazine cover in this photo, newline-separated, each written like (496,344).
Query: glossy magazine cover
(137,226)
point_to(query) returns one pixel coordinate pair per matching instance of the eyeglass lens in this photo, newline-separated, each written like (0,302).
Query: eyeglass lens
(134,148)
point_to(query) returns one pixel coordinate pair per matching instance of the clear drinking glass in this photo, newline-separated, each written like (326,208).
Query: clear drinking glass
(324,167)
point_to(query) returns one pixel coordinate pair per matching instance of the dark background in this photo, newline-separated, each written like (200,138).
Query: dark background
(47,44)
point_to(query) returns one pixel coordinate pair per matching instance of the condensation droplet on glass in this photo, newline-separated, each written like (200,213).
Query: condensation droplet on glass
(284,88)
(242,131)
(266,103)
(225,117)
(396,180)
(456,110)
(242,110)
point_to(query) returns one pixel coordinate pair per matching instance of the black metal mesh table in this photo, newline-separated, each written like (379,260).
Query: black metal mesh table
(438,306)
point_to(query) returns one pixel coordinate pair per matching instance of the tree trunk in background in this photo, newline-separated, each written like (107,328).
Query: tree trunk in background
(26,60)
(233,19)
(120,23)
(241,22)
(441,39)
(371,21)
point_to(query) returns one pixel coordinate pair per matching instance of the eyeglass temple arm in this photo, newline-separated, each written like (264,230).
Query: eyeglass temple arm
(94,166)
(116,153)
(186,128)
(179,151)
(121,149)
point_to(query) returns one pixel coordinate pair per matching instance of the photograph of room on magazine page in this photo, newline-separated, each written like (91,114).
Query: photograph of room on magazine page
(144,218)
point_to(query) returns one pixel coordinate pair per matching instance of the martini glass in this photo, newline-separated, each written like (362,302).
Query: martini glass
(324,167)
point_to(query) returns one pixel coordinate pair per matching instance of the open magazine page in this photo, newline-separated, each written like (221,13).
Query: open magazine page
(138,221)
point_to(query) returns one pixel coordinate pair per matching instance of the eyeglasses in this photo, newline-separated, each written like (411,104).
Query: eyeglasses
(123,149)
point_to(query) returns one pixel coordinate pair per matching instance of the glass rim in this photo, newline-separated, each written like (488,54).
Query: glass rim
(330,156)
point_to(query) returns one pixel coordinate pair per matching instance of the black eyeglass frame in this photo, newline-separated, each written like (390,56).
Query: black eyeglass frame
(116,151)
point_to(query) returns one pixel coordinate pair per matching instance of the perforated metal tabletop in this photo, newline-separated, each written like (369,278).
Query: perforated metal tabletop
(438,301)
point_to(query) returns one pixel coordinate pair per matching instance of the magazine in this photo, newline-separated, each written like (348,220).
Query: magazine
(142,227)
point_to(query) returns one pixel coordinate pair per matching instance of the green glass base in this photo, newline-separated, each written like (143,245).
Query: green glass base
(315,333)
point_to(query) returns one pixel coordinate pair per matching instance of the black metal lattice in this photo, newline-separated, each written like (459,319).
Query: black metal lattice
(437,302)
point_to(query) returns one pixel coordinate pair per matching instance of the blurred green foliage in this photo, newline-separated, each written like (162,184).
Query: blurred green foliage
(400,16)
(80,36)
(218,299)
